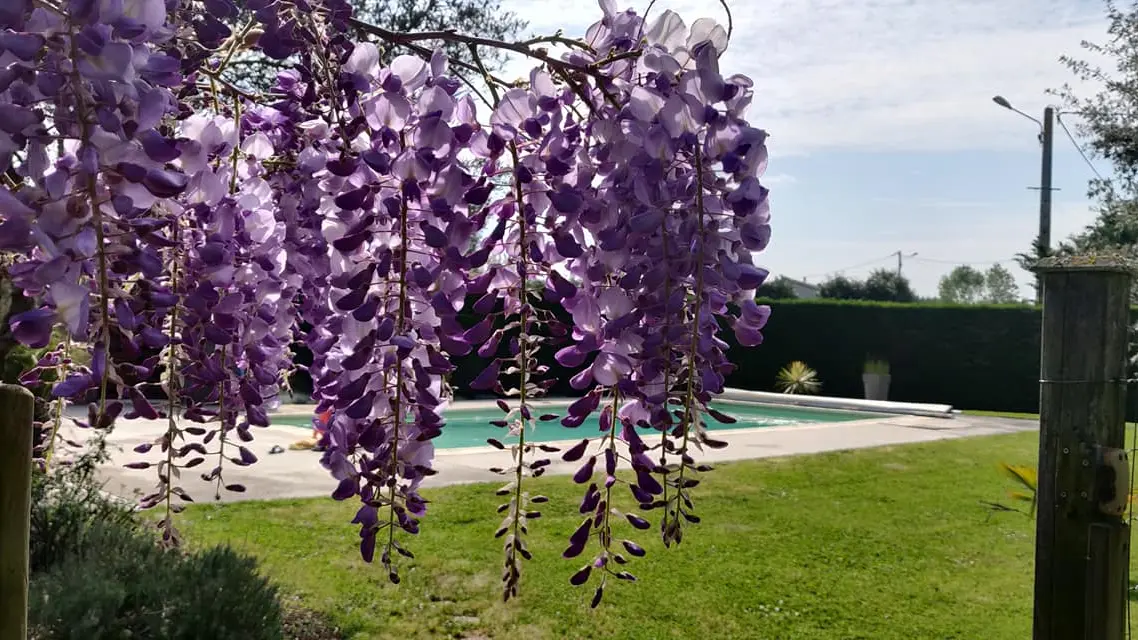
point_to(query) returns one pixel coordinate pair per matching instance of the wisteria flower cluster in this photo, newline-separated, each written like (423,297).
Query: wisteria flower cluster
(187,232)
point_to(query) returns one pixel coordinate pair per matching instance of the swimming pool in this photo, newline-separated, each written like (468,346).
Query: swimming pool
(470,427)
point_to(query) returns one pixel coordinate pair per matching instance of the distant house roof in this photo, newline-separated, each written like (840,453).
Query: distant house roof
(803,289)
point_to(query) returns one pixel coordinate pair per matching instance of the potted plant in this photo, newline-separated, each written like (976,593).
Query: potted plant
(875,379)
(797,378)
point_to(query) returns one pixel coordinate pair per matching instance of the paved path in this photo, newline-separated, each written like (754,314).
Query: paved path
(295,474)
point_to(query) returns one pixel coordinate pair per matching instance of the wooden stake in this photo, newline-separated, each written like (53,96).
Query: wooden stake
(1081,546)
(16,407)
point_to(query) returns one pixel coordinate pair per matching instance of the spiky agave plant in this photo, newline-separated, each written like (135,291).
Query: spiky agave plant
(798,379)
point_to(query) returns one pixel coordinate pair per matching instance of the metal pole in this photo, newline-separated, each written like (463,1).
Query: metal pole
(1048,139)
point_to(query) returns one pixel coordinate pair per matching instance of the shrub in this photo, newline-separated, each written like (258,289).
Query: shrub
(122,584)
(67,504)
(797,378)
(97,573)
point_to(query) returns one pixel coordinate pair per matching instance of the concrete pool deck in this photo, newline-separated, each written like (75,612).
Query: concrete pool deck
(298,474)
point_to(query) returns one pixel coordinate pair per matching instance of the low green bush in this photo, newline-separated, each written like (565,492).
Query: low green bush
(98,574)
(122,584)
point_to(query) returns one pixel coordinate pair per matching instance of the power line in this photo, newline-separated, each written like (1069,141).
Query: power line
(1077,146)
(856,266)
(957,262)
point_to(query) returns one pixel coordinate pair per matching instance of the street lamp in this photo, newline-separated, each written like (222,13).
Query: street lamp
(1046,138)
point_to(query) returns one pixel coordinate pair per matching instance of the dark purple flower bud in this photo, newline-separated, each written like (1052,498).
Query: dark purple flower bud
(157,147)
(486,303)
(648,483)
(480,332)
(581,534)
(33,328)
(573,421)
(584,405)
(165,184)
(433,236)
(637,521)
(566,200)
(575,452)
(246,455)
(488,379)
(597,595)
(490,347)
(647,222)
(586,471)
(525,176)
(582,380)
(610,461)
(640,495)
(591,500)
(581,577)
(566,245)
(563,287)
(347,488)
(633,548)
(570,357)
(72,386)
(352,200)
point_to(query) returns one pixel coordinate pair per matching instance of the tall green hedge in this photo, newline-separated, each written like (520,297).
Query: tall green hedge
(969,356)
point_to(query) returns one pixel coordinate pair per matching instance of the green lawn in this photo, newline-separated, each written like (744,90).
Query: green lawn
(1002,414)
(874,544)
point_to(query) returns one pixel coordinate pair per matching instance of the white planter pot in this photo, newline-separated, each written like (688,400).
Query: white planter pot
(876,386)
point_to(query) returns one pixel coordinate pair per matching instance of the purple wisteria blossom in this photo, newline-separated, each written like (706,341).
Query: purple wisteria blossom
(187,233)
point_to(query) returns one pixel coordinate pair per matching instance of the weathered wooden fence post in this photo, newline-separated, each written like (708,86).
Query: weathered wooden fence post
(1082,542)
(16,407)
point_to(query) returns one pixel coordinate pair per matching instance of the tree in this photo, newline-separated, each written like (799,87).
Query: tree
(1001,286)
(967,285)
(842,288)
(485,18)
(886,285)
(1106,124)
(882,285)
(962,285)
(778,289)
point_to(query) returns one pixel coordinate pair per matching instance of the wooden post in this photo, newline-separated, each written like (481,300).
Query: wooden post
(1081,546)
(16,407)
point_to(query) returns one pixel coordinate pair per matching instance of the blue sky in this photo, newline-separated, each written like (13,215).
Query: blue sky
(883,133)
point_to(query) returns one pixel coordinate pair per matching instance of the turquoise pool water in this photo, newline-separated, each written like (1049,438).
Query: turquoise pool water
(471,427)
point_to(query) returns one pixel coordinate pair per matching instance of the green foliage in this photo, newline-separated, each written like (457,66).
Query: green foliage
(779,288)
(67,506)
(883,285)
(877,367)
(974,356)
(968,285)
(124,585)
(797,378)
(98,574)
(484,18)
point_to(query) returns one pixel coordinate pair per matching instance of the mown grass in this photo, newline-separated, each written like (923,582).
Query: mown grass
(1002,414)
(882,543)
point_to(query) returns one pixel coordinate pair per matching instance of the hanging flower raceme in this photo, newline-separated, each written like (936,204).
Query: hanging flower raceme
(187,232)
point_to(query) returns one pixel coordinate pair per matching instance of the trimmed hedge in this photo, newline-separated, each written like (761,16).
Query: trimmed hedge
(970,356)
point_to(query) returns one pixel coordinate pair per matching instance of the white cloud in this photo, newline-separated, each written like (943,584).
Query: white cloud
(782,179)
(881,74)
